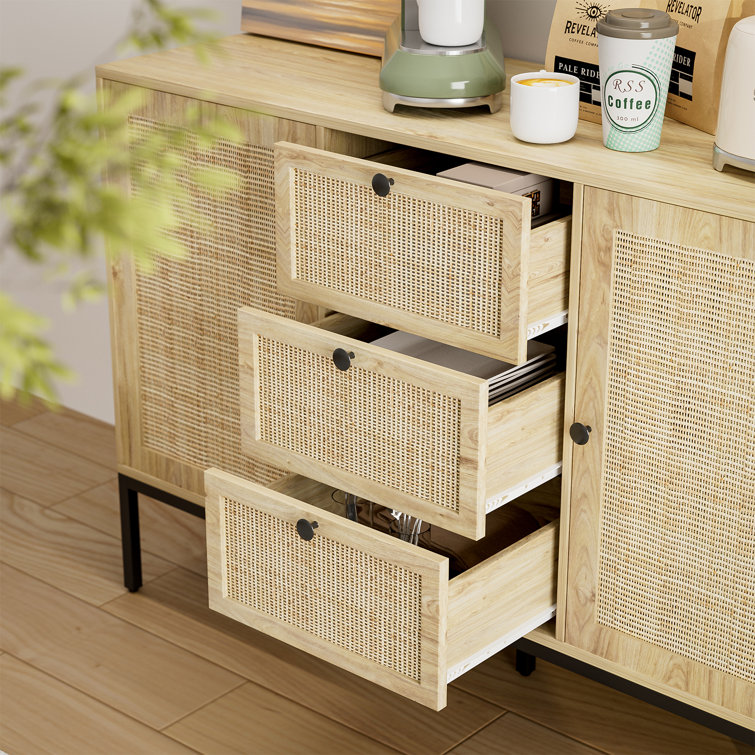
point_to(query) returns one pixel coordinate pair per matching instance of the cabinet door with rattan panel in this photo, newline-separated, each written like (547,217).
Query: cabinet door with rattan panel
(660,545)
(173,329)
(449,261)
(389,427)
(287,562)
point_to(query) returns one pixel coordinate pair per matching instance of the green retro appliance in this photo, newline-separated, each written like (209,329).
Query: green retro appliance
(419,74)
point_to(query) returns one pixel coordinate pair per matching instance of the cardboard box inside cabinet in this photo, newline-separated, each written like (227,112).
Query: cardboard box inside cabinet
(539,189)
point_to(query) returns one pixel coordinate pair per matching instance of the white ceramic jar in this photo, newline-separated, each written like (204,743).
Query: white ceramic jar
(451,23)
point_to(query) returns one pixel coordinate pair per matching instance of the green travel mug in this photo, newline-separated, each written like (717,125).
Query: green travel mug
(635,52)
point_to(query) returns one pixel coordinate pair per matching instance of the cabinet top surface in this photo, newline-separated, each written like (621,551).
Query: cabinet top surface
(340,90)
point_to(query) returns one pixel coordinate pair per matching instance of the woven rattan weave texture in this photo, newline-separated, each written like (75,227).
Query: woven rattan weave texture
(188,352)
(677,553)
(365,605)
(372,425)
(411,254)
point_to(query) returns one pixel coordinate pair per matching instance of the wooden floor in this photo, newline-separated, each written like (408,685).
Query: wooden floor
(86,667)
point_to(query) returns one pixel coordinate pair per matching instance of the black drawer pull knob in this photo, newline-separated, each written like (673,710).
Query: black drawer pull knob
(342,359)
(306,529)
(381,184)
(580,433)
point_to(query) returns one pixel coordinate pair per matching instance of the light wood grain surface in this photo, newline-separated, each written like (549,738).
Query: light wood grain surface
(520,735)
(73,432)
(167,532)
(252,718)
(65,553)
(125,667)
(592,714)
(41,714)
(569,399)
(340,90)
(68,473)
(500,595)
(12,412)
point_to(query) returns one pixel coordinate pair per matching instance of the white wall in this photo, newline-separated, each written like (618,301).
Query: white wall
(60,38)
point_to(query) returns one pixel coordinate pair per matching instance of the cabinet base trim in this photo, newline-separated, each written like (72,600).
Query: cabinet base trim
(523,487)
(728,723)
(502,642)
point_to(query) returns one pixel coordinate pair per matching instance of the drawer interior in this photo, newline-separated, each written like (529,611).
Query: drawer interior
(431,163)
(505,526)
(369,332)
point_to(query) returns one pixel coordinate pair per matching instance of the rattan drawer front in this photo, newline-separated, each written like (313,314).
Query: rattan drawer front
(393,429)
(362,600)
(357,598)
(444,260)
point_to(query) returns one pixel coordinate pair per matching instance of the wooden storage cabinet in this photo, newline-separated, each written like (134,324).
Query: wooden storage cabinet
(361,599)
(658,548)
(655,574)
(453,262)
(392,428)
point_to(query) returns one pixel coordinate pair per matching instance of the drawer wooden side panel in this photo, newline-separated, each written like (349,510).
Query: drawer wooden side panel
(357,598)
(500,600)
(444,260)
(525,439)
(390,428)
(548,281)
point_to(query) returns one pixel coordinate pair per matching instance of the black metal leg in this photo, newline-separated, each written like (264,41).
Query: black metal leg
(525,663)
(132,551)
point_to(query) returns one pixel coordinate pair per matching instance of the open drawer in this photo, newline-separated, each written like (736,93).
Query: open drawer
(391,428)
(363,600)
(446,260)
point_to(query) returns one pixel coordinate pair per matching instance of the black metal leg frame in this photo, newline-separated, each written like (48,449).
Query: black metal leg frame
(128,493)
(527,651)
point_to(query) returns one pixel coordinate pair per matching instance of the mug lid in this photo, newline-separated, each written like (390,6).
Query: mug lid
(637,23)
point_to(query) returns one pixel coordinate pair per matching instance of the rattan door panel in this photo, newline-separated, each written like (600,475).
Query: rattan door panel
(362,600)
(444,260)
(173,330)
(661,549)
(391,428)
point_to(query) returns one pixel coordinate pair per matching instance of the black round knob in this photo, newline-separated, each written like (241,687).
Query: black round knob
(580,433)
(381,184)
(306,529)
(342,359)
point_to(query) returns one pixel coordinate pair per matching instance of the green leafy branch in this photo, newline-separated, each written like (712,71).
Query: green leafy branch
(58,208)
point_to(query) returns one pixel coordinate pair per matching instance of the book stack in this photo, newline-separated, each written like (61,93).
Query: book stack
(504,379)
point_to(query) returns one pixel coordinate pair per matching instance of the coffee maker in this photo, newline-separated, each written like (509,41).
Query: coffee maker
(419,74)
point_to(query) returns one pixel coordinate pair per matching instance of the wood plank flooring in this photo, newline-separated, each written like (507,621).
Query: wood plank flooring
(86,667)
